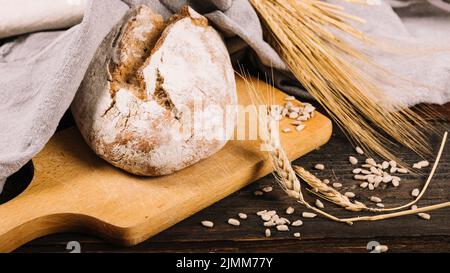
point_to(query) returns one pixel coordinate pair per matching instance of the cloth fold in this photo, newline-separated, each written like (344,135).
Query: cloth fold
(41,71)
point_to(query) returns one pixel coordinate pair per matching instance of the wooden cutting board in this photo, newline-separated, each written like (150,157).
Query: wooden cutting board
(74,190)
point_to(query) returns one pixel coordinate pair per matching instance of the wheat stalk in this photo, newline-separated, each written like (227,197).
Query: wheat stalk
(333,72)
(286,174)
(328,193)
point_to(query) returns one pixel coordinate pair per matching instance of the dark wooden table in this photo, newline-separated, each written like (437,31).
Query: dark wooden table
(406,234)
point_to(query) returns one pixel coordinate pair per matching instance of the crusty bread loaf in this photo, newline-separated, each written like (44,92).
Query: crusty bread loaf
(138,98)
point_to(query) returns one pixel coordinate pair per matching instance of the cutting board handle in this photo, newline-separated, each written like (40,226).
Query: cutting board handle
(24,219)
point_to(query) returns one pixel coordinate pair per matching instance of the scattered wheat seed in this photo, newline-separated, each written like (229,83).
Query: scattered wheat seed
(381,205)
(395,182)
(415,192)
(425,216)
(269,224)
(365,172)
(371,161)
(402,170)
(267,189)
(392,163)
(349,194)
(337,185)
(282,228)
(353,160)
(377,184)
(319,204)
(290,210)
(299,128)
(371,187)
(280,221)
(234,222)
(293,115)
(267,232)
(319,167)
(242,215)
(289,98)
(295,109)
(381,248)
(393,170)
(207,224)
(308,214)
(297,223)
(371,179)
(375,199)
(297,235)
(378,179)
(385,165)
(360,177)
(413,207)
(366,166)
(364,185)
(359,150)
(266,217)
(326,181)
(357,170)
(302,118)
(387,178)
(424,163)
(258,193)
(287,130)
(261,212)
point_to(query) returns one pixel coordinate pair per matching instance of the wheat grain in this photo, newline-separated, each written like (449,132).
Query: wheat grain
(289,98)
(308,215)
(267,232)
(269,223)
(349,194)
(359,150)
(242,215)
(353,160)
(261,212)
(375,199)
(319,204)
(290,210)
(282,228)
(258,193)
(267,189)
(207,224)
(425,216)
(381,248)
(319,167)
(415,192)
(297,235)
(297,223)
(234,222)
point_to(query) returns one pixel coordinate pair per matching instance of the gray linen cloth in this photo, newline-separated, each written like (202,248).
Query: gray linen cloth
(40,72)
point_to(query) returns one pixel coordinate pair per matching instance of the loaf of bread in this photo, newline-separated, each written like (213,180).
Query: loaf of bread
(147,84)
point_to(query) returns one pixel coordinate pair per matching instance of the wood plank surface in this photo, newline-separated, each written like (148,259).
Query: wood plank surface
(74,190)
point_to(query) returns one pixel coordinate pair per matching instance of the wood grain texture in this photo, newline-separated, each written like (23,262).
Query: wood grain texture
(74,190)
(406,234)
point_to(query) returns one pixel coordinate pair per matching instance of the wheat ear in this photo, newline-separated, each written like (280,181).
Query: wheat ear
(335,73)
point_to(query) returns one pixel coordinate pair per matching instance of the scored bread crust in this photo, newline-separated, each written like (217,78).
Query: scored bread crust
(144,80)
